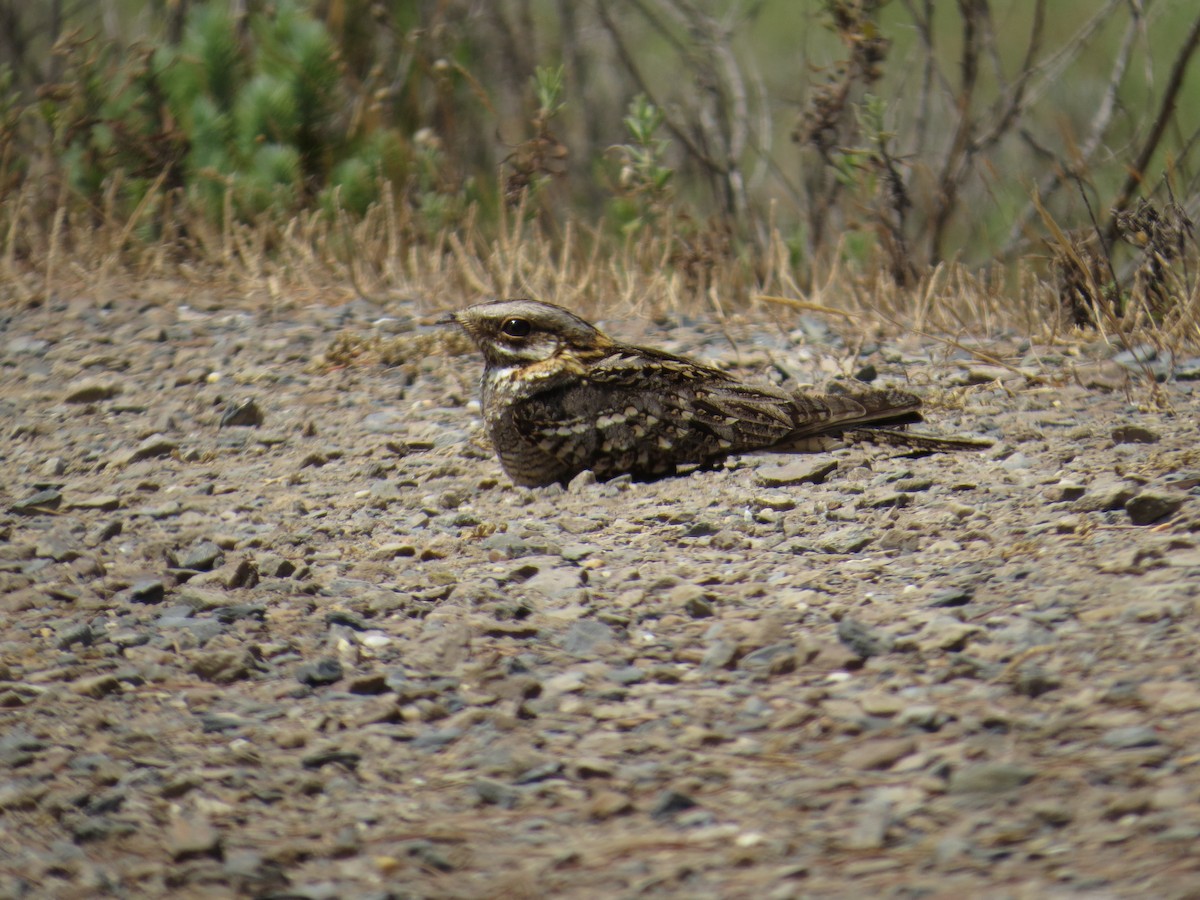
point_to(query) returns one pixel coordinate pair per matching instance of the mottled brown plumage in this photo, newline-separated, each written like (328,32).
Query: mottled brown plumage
(560,397)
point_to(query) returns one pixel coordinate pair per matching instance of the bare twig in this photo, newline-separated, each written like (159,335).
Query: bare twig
(1166,112)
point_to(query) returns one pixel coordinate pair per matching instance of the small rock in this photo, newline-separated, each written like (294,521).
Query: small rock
(1134,434)
(878,754)
(147,590)
(1131,737)
(220,666)
(984,374)
(1104,497)
(1032,680)
(97,686)
(953,597)
(555,581)
(585,636)
(322,672)
(331,756)
(581,482)
(373,683)
(721,655)
(605,804)
(345,617)
(495,793)
(692,599)
(802,471)
(775,659)
(1149,507)
(864,640)
(669,803)
(244,414)
(39,503)
(845,540)
(80,633)
(271,566)
(1065,491)
(193,836)
(946,633)
(922,715)
(92,390)
(154,446)
(202,557)
(989,778)
(874,819)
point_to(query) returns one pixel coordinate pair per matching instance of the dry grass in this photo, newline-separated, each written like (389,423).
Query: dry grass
(54,253)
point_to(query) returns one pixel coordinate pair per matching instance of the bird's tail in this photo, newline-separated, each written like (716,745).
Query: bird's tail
(837,412)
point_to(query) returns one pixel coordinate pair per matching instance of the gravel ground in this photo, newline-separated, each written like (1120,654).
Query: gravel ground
(276,628)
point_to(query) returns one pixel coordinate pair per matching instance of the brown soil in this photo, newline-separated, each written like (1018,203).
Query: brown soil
(334,653)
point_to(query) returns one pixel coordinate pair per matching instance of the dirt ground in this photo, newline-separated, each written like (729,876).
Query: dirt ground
(275,627)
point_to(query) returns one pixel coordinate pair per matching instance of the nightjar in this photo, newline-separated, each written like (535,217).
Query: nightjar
(560,396)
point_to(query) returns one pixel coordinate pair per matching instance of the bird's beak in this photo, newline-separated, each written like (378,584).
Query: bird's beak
(450,318)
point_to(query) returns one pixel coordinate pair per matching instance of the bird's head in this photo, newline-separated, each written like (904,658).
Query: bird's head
(522,332)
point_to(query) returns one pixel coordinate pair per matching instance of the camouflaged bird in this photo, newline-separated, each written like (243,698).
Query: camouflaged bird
(560,397)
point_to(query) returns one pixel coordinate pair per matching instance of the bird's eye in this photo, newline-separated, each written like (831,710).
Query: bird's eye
(517,328)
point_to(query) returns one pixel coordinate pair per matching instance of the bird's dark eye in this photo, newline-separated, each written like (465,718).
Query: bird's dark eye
(517,328)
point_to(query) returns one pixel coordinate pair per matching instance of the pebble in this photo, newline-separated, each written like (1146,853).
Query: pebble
(242,414)
(1104,496)
(38,503)
(191,836)
(989,778)
(92,390)
(147,590)
(1135,434)
(585,637)
(1149,507)
(322,672)
(845,540)
(801,471)
(774,659)
(864,640)
(201,557)
(97,686)
(1131,737)
(154,446)
(671,802)
(946,633)
(220,666)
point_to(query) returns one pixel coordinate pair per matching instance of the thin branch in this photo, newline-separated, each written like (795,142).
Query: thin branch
(627,60)
(1166,112)
(1099,127)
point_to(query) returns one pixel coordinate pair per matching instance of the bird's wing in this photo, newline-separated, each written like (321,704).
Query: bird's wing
(646,412)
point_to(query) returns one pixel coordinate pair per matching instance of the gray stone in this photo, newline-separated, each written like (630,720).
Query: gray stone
(1134,434)
(1131,737)
(154,446)
(243,414)
(1149,507)
(670,802)
(322,672)
(92,390)
(202,557)
(845,540)
(585,636)
(864,640)
(989,778)
(39,503)
(801,471)
(1104,497)
(774,659)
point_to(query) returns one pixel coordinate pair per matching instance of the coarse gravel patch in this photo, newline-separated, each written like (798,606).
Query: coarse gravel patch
(275,626)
